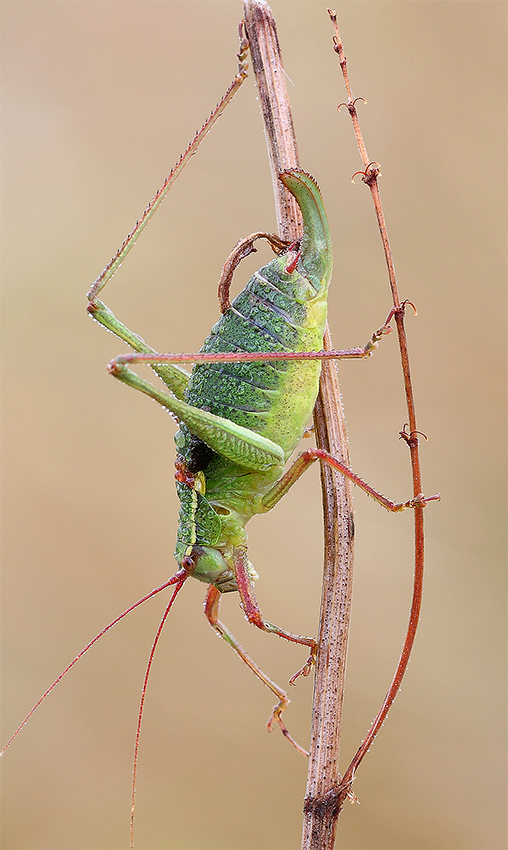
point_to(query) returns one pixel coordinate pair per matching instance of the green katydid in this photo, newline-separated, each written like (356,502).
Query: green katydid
(242,410)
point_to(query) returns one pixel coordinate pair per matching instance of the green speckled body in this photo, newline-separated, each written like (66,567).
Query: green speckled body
(282,308)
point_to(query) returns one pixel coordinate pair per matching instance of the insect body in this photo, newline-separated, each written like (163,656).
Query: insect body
(256,412)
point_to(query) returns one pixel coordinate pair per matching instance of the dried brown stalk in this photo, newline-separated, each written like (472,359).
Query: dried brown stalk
(323,776)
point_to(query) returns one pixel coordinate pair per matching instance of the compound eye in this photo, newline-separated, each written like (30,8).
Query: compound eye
(190,560)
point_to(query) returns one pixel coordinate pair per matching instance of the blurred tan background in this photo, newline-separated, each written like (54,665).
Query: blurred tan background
(99,100)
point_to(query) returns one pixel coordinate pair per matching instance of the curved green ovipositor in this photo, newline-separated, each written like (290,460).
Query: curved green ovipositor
(316,246)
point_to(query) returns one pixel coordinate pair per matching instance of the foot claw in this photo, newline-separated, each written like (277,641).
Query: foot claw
(276,713)
(276,718)
(307,667)
(420,501)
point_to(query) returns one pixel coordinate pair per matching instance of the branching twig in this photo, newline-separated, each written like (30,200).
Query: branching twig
(370,177)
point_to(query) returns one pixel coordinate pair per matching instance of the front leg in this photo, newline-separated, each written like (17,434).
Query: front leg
(253,612)
(212,602)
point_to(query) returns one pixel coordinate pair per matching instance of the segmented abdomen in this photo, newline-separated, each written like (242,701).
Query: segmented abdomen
(275,312)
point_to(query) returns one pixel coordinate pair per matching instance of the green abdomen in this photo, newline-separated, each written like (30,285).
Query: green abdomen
(275,312)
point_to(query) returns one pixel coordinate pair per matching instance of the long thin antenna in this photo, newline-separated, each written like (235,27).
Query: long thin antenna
(173,580)
(142,701)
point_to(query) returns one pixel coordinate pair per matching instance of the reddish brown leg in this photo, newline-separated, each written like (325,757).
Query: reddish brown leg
(212,602)
(309,456)
(253,613)
(241,250)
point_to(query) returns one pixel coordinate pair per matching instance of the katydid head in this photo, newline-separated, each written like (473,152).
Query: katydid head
(207,564)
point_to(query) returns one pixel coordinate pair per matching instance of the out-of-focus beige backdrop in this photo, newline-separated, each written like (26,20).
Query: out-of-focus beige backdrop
(99,100)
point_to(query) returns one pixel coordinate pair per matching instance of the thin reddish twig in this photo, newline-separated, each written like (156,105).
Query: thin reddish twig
(370,177)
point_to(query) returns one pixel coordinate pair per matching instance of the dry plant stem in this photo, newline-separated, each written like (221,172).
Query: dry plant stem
(277,118)
(370,178)
(320,809)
